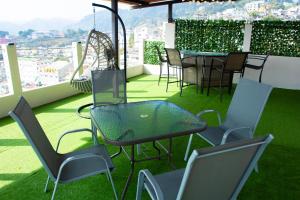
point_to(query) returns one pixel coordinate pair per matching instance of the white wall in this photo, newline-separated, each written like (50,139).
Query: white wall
(35,97)
(279,71)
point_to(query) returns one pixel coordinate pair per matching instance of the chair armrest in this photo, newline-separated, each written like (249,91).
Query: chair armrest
(229,131)
(210,111)
(79,157)
(146,174)
(73,131)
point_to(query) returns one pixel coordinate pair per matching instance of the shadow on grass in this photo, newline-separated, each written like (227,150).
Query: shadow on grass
(13,176)
(14,142)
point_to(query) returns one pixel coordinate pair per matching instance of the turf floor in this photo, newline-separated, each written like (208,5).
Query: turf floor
(22,176)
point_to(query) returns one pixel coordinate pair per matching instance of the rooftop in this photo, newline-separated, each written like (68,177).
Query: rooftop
(23,177)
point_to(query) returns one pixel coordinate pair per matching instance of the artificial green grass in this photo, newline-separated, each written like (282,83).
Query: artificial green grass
(22,176)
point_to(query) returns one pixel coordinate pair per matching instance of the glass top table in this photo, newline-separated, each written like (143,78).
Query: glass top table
(139,122)
(200,53)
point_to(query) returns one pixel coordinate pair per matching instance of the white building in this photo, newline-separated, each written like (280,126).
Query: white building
(148,32)
(253,6)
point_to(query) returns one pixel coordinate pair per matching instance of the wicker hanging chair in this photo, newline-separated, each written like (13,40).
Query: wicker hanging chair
(99,48)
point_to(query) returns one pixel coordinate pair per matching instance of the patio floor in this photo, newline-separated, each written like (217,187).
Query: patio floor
(22,176)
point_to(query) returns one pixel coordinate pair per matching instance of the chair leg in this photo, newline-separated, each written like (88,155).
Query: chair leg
(256,168)
(140,186)
(46,185)
(221,87)
(112,184)
(176,70)
(160,71)
(181,80)
(209,80)
(55,188)
(197,78)
(188,148)
(168,77)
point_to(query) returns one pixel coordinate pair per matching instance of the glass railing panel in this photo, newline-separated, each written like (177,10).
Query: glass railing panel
(44,66)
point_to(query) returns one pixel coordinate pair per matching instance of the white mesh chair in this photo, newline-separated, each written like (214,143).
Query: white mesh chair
(212,173)
(62,168)
(242,117)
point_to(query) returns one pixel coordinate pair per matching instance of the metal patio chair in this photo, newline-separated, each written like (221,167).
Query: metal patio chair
(233,63)
(108,87)
(61,168)
(211,173)
(162,60)
(256,62)
(243,115)
(175,61)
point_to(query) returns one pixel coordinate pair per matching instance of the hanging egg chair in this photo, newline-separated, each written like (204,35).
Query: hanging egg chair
(99,50)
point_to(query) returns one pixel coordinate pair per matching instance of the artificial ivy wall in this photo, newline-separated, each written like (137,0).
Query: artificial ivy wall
(150,53)
(280,38)
(211,35)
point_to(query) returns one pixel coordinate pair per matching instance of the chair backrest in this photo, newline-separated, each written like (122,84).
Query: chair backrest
(220,172)
(173,57)
(247,104)
(236,61)
(257,60)
(34,133)
(108,87)
(161,59)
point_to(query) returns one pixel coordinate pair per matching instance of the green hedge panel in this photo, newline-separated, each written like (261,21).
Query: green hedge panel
(211,35)
(280,38)
(150,53)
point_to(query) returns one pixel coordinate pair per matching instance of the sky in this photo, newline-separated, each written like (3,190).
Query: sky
(20,11)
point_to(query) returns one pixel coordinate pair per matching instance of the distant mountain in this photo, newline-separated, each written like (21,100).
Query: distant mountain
(132,18)
(103,19)
(47,24)
(36,24)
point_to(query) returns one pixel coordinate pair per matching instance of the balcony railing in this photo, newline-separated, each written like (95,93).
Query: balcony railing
(42,66)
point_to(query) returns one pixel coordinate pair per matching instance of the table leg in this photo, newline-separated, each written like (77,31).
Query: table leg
(157,149)
(170,150)
(170,154)
(132,161)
